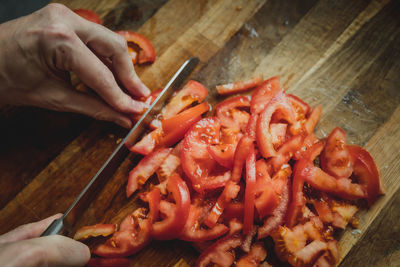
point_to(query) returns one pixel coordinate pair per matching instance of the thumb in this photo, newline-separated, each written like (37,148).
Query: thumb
(29,230)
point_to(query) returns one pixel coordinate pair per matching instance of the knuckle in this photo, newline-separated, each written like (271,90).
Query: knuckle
(55,9)
(58,32)
(121,42)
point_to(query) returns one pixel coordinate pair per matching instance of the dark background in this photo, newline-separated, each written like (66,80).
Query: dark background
(11,9)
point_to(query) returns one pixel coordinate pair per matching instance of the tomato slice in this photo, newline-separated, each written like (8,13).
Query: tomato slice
(249,191)
(147,53)
(239,86)
(335,158)
(94,231)
(366,172)
(176,214)
(221,252)
(193,232)
(263,94)
(252,125)
(255,256)
(197,163)
(110,262)
(89,15)
(192,92)
(230,192)
(300,107)
(145,168)
(313,119)
(278,133)
(128,241)
(171,124)
(230,116)
(241,153)
(263,132)
(285,152)
(148,143)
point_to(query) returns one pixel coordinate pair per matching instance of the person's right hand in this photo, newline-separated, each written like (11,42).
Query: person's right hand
(38,51)
(23,247)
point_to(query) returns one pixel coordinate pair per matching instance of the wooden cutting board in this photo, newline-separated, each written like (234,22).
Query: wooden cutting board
(342,54)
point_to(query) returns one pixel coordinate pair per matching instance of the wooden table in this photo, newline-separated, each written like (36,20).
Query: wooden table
(342,54)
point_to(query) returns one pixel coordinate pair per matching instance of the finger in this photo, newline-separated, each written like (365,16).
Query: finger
(53,250)
(61,97)
(28,231)
(70,54)
(111,45)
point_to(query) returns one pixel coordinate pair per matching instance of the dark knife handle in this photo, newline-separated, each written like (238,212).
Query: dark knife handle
(55,228)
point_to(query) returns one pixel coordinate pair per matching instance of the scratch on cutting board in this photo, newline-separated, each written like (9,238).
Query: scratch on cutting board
(252,32)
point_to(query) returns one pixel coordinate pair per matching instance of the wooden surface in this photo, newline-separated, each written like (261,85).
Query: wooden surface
(342,54)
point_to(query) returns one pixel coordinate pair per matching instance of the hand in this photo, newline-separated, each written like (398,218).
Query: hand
(23,247)
(37,53)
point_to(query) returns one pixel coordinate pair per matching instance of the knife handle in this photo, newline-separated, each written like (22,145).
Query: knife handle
(55,228)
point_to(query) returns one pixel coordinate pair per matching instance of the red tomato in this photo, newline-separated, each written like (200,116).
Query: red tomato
(366,172)
(278,133)
(313,119)
(285,152)
(94,230)
(111,262)
(242,150)
(147,53)
(196,161)
(255,256)
(300,107)
(128,241)
(193,232)
(335,158)
(263,132)
(144,169)
(175,214)
(193,91)
(249,191)
(263,94)
(221,253)
(239,86)
(252,125)
(148,143)
(89,15)
(226,111)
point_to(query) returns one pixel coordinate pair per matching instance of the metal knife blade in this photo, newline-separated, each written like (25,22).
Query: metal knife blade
(95,185)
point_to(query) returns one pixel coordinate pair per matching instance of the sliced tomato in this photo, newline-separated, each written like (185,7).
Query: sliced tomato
(145,168)
(168,167)
(192,92)
(249,191)
(256,255)
(193,232)
(263,94)
(366,172)
(313,119)
(335,158)
(148,142)
(300,107)
(241,153)
(252,125)
(221,253)
(176,213)
(263,132)
(223,154)
(147,53)
(234,211)
(94,230)
(171,124)
(89,15)
(111,262)
(239,86)
(308,142)
(286,152)
(278,133)
(128,241)
(197,163)
(230,192)
(230,116)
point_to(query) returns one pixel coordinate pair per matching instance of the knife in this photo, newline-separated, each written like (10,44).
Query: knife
(66,222)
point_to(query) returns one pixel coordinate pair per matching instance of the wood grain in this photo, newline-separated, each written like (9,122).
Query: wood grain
(342,54)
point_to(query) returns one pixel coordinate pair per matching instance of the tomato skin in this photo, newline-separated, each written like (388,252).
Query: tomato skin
(242,150)
(366,172)
(94,230)
(335,158)
(170,124)
(145,168)
(249,191)
(300,107)
(88,15)
(239,86)
(263,94)
(263,133)
(148,143)
(177,214)
(313,119)
(147,54)
(225,111)
(285,152)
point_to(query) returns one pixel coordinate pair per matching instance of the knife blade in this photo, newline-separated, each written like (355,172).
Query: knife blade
(66,222)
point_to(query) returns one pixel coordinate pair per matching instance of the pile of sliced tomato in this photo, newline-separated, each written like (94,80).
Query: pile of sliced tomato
(253,170)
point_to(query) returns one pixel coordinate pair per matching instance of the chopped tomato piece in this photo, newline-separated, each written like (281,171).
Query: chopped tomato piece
(148,143)
(223,154)
(242,150)
(250,191)
(335,158)
(278,133)
(221,252)
(239,86)
(230,116)
(286,152)
(192,92)
(145,168)
(255,256)
(300,107)
(263,94)
(147,53)
(313,119)
(172,123)
(94,230)
(168,167)
(176,213)
(89,15)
